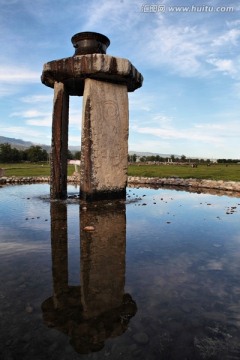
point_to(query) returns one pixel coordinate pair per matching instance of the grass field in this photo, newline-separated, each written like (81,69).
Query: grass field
(30,169)
(213,172)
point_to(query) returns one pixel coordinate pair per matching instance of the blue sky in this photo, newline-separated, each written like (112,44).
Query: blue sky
(190,61)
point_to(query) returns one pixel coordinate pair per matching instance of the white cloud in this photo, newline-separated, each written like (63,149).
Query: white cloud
(213,127)
(163,120)
(73,139)
(27,113)
(33,99)
(21,131)
(115,12)
(160,146)
(177,46)
(233,23)
(34,117)
(144,101)
(223,65)
(12,75)
(220,134)
(6,90)
(180,134)
(45,121)
(231,36)
(182,47)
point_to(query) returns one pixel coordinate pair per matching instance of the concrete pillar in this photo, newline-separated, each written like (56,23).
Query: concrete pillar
(59,148)
(104,151)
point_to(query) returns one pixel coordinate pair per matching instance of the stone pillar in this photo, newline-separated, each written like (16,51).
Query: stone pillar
(59,148)
(104,151)
(103,81)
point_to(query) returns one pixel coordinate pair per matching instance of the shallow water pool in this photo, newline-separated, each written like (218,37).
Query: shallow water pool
(155,277)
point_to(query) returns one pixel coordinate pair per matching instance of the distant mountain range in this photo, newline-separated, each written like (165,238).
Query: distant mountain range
(21,145)
(17,143)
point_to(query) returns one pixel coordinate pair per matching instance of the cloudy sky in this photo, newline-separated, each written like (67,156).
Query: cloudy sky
(189,58)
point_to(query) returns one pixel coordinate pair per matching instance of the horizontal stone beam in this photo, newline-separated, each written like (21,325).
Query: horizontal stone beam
(72,72)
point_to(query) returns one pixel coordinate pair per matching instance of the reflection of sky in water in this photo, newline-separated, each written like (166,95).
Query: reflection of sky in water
(182,270)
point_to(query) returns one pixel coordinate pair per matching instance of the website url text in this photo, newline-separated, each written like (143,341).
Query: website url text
(156,8)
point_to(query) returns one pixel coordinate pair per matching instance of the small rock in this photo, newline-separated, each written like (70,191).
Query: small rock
(29,309)
(89,228)
(141,338)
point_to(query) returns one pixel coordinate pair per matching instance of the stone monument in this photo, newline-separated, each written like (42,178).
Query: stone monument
(104,82)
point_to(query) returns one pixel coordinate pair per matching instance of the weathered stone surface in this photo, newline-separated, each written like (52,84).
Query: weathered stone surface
(59,149)
(73,71)
(104,152)
(105,116)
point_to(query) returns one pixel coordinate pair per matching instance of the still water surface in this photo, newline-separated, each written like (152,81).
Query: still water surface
(157,278)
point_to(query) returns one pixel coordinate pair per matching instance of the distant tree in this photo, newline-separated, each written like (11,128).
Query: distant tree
(172,158)
(132,158)
(36,154)
(183,158)
(70,155)
(77,155)
(15,154)
(9,154)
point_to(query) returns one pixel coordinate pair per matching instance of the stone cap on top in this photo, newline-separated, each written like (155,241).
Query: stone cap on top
(73,70)
(90,61)
(90,43)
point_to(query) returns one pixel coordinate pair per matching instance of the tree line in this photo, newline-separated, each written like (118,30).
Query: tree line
(9,154)
(175,159)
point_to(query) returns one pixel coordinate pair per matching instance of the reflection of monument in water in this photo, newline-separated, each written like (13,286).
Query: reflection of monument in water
(98,309)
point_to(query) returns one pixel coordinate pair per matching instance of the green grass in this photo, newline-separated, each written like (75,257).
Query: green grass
(30,169)
(213,172)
